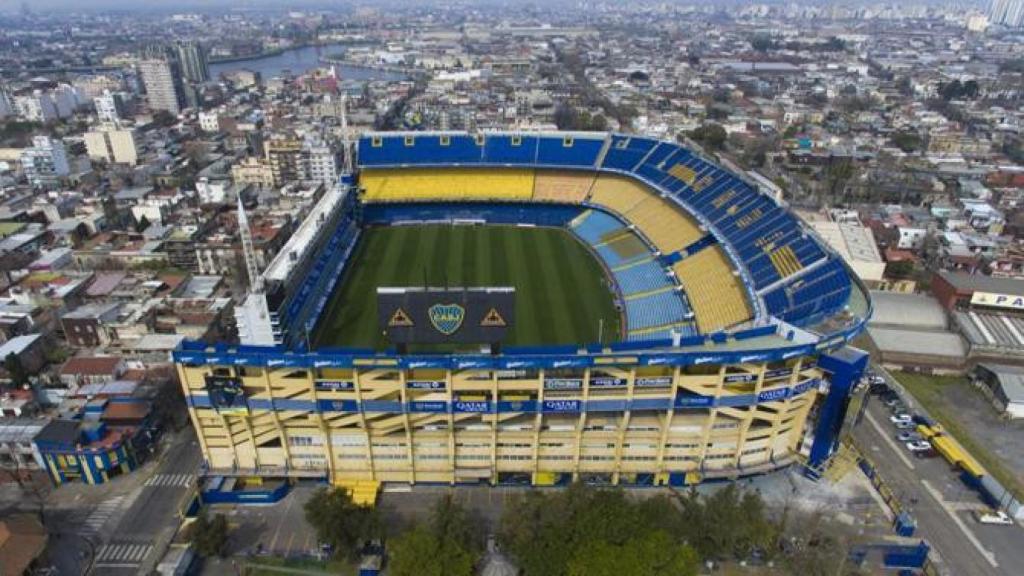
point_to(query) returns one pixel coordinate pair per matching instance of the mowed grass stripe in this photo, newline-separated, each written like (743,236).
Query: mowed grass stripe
(571,274)
(557,294)
(538,315)
(560,288)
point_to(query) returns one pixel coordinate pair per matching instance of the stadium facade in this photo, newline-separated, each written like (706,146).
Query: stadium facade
(733,357)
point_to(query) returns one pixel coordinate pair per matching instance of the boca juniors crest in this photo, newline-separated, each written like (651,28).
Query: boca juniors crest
(446,318)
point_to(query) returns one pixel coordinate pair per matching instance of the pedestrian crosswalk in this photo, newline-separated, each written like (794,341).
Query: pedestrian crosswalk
(123,555)
(170,480)
(99,516)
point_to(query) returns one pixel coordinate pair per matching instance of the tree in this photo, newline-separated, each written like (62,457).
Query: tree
(711,135)
(210,537)
(586,531)
(907,141)
(419,552)
(142,224)
(15,370)
(339,522)
(448,544)
(652,555)
(164,119)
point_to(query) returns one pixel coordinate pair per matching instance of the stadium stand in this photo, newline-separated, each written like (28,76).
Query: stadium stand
(643,276)
(654,305)
(571,187)
(663,224)
(662,310)
(596,227)
(446,184)
(681,203)
(618,193)
(714,292)
(807,297)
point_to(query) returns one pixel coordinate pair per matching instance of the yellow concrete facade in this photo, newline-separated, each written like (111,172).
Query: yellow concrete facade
(452,447)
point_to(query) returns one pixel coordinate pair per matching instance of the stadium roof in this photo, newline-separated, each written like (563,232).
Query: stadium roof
(894,340)
(893,309)
(978,283)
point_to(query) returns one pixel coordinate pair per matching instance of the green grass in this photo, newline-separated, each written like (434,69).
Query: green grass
(562,291)
(929,391)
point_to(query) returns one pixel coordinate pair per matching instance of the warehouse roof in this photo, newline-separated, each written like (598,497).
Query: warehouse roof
(894,340)
(907,310)
(1011,380)
(978,283)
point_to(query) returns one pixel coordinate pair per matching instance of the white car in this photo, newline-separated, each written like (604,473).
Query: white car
(993,517)
(902,417)
(919,446)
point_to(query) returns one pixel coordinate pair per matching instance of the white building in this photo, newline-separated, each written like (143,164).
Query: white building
(45,163)
(36,107)
(911,238)
(109,107)
(320,163)
(209,121)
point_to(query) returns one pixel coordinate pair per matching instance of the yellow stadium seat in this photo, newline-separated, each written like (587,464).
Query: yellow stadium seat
(562,186)
(715,293)
(665,225)
(426,184)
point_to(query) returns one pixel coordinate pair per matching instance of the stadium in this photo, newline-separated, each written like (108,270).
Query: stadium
(533,308)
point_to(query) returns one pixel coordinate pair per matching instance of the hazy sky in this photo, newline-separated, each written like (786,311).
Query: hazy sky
(161,5)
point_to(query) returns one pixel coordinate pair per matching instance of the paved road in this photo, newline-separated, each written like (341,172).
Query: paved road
(941,503)
(134,544)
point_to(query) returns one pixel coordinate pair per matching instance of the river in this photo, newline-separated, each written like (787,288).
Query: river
(300,60)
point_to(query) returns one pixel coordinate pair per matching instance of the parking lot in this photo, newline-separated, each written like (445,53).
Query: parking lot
(930,489)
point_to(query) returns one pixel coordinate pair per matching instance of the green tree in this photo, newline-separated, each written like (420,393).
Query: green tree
(655,554)
(907,140)
(210,537)
(340,522)
(447,545)
(711,135)
(142,224)
(15,370)
(586,531)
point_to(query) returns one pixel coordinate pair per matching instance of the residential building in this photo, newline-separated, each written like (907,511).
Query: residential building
(285,156)
(193,61)
(320,163)
(1007,12)
(251,171)
(45,163)
(162,80)
(109,107)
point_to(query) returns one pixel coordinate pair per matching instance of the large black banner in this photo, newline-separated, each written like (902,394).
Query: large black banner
(441,315)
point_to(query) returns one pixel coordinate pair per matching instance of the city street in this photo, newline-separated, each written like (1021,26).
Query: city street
(139,538)
(941,503)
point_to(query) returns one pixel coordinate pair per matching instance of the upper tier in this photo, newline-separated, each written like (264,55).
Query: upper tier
(786,272)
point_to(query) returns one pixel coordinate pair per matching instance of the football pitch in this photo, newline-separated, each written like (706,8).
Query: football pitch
(562,293)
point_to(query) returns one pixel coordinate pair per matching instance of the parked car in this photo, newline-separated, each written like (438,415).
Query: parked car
(905,425)
(908,437)
(993,517)
(919,446)
(901,417)
(879,388)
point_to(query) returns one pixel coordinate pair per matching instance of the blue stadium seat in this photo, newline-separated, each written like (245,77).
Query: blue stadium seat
(569,151)
(655,310)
